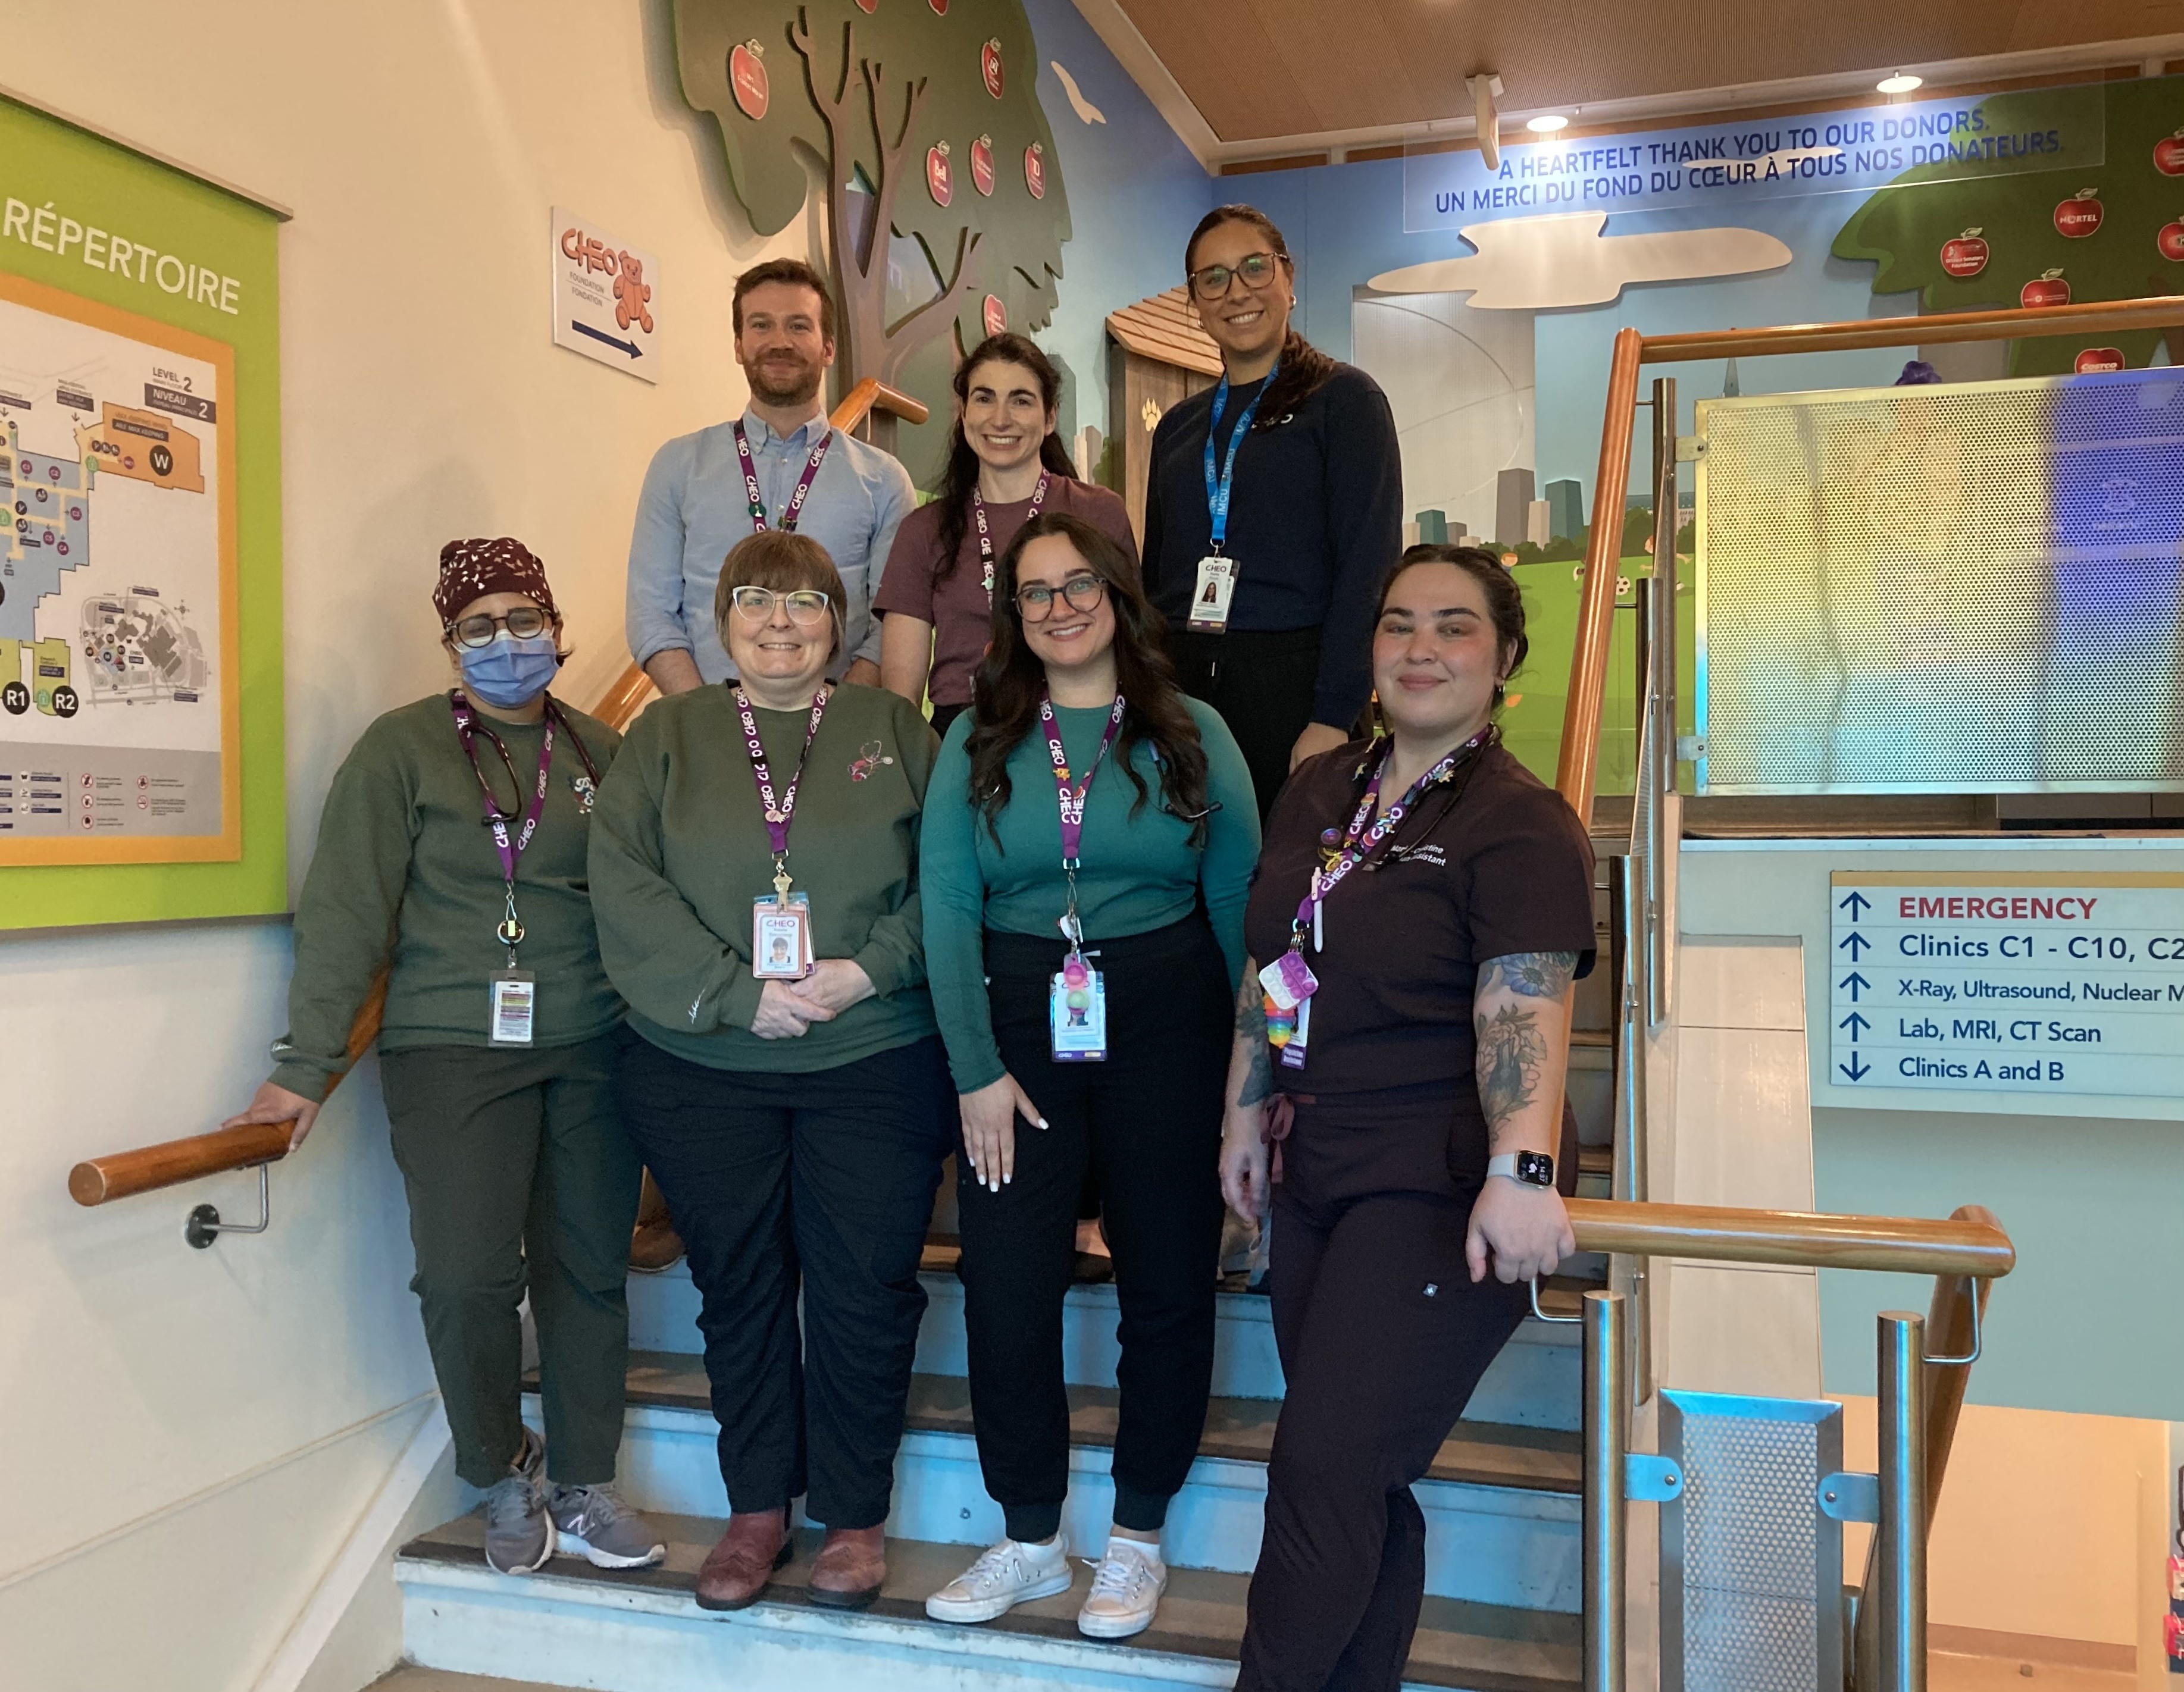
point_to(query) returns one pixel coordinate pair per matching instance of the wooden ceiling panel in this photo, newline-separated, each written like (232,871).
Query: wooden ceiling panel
(1263,69)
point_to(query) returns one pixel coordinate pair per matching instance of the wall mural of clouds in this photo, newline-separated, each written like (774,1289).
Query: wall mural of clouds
(1539,264)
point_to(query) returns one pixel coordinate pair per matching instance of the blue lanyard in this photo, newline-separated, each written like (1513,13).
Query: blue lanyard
(1217,492)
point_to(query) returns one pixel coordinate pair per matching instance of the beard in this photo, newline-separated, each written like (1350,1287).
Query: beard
(778,385)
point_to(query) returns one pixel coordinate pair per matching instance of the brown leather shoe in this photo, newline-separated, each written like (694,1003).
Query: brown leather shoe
(736,1569)
(850,1569)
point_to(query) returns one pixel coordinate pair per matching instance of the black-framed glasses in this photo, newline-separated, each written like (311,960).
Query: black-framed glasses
(525,622)
(806,605)
(1035,603)
(1258,270)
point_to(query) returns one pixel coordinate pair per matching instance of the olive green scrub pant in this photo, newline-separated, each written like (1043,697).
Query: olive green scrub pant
(520,1178)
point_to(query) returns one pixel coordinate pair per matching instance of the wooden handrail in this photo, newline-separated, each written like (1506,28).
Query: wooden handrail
(1575,769)
(122,1174)
(2091,317)
(1971,1244)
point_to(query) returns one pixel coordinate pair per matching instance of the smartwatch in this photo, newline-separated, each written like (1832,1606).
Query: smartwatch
(1528,1168)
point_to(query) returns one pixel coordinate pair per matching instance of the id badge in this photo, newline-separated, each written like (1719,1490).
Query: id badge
(781,938)
(1076,1013)
(1288,981)
(1292,1049)
(514,1003)
(1209,598)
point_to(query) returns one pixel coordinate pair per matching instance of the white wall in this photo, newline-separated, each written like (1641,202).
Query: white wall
(187,1436)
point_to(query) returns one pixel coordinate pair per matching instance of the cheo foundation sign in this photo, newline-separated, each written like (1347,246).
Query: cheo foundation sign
(606,296)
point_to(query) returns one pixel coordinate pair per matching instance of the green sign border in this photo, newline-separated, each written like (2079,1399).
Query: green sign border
(45,161)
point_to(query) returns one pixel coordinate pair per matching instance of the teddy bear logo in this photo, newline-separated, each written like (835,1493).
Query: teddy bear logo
(632,290)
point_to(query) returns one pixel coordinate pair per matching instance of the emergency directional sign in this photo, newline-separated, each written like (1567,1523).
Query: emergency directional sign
(1993,981)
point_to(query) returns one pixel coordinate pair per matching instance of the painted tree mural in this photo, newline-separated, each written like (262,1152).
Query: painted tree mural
(945,207)
(2113,230)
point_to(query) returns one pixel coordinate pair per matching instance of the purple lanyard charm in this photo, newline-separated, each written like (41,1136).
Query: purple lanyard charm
(777,816)
(1071,800)
(794,509)
(509,933)
(985,541)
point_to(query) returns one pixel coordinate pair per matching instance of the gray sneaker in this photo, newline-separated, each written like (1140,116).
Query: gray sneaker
(518,1532)
(592,1523)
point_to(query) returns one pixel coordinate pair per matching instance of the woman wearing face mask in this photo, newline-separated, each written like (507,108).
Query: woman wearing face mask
(755,865)
(1421,906)
(1006,465)
(1088,851)
(496,1050)
(1274,502)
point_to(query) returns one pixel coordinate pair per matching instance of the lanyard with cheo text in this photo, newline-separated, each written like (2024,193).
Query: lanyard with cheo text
(1288,981)
(509,933)
(1071,798)
(986,541)
(778,816)
(794,509)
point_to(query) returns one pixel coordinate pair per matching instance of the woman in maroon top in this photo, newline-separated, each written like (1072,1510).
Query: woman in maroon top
(1432,901)
(1006,465)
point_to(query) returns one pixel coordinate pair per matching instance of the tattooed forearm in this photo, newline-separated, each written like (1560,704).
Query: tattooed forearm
(1534,975)
(1511,1050)
(1257,1081)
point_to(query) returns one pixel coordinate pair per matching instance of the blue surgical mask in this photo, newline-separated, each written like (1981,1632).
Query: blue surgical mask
(511,672)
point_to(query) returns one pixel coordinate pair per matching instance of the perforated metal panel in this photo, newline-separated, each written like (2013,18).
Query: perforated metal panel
(1751,1570)
(1969,587)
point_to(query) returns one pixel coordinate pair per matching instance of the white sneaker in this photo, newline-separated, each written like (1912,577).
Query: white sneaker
(1005,1576)
(1125,1590)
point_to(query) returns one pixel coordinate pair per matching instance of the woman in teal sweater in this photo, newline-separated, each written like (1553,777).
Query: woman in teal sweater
(1087,850)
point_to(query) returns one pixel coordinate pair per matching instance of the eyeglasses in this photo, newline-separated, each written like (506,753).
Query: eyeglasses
(1035,603)
(1256,269)
(525,622)
(806,605)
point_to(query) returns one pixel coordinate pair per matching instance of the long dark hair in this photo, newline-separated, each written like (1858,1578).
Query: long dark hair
(1011,679)
(962,476)
(1505,600)
(1304,367)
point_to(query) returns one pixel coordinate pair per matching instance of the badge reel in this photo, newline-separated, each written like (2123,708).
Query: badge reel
(1288,984)
(515,991)
(1077,1007)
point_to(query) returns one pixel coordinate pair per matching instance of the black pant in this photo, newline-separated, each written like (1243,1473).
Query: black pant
(827,1178)
(520,1179)
(1382,1338)
(1147,1124)
(945,715)
(1261,681)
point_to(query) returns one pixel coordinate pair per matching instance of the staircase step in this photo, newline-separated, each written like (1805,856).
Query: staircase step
(640,1630)
(1532,1383)
(412,1678)
(1237,1429)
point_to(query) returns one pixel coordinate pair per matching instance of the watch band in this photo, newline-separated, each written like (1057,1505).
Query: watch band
(1526,1168)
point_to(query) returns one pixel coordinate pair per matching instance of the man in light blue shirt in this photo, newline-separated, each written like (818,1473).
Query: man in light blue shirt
(695,504)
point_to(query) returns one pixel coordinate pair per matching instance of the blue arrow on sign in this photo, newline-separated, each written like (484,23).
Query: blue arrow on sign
(1854,1022)
(1857,904)
(1852,982)
(1855,1069)
(1856,942)
(628,346)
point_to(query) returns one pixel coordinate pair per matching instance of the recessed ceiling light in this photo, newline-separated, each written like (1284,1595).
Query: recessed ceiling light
(1898,84)
(1547,125)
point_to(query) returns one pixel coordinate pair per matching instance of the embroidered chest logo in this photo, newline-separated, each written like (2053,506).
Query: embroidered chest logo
(1427,852)
(870,757)
(587,794)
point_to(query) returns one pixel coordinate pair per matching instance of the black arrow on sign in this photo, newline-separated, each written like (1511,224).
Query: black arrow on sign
(628,346)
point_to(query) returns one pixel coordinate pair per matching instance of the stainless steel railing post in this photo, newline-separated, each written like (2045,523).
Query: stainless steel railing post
(1606,1341)
(1899,1588)
(1658,701)
(1629,1179)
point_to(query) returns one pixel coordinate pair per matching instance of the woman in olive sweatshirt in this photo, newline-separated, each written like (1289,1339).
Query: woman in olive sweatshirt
(755,863)
(1087,853)
(496,1050)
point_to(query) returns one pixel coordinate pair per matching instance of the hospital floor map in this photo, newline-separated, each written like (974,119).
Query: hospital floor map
(111,574)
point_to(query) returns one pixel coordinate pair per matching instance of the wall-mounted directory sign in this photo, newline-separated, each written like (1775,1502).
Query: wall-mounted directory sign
(2013,981)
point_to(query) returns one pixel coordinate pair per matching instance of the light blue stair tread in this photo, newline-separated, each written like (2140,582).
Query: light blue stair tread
(1478,1647)
(1241,1429)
